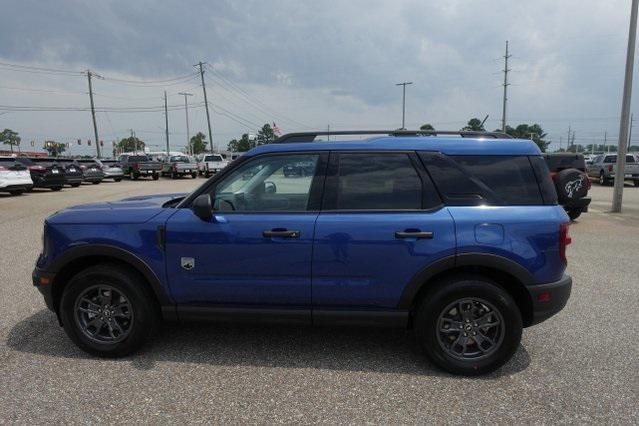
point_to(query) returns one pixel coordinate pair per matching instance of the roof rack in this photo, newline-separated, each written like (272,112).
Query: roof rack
(310,136)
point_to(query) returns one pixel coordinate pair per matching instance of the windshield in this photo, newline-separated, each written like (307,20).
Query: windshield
(180,159)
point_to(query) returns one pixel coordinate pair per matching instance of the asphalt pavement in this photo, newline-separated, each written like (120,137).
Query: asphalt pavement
(581,366)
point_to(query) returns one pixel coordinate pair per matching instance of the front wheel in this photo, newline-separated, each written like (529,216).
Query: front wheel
(636,182)
(156,176)
(194,175)
(468,325)
(108,311)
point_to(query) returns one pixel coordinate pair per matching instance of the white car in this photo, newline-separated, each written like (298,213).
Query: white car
(211,163)
(15,178)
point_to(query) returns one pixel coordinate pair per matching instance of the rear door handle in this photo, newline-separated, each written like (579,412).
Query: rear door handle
(281,233)
(414,234)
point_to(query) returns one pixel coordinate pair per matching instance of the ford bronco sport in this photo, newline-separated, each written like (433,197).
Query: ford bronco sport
(455,235)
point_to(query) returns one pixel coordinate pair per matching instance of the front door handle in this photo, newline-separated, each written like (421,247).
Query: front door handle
(281,233)
(414,234)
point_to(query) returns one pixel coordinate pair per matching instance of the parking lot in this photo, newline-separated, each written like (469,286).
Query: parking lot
(580,366)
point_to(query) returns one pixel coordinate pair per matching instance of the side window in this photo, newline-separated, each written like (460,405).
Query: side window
(511,178)
(610,159)
(266,184)
(379,181)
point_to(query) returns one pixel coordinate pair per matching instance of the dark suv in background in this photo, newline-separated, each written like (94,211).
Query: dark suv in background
(72,171)
(45,172)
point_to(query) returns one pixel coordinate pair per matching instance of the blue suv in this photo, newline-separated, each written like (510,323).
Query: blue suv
(457,236)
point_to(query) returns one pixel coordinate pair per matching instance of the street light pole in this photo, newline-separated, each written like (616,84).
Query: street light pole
(186,110)
(404,101)
(625,112)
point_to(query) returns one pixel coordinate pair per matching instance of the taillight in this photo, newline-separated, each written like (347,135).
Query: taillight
(553,175)
(564,241)
(610,168)
(37,168)
(135,166)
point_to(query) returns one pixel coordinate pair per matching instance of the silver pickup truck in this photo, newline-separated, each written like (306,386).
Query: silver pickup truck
(604,166)
(179,165)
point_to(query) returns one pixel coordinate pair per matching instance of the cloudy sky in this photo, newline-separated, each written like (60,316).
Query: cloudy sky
(309,64)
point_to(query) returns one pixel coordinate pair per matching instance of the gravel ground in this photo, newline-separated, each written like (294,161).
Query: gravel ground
(580,366)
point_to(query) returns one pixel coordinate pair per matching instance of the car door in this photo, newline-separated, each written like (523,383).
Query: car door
(381,223)
(257,249)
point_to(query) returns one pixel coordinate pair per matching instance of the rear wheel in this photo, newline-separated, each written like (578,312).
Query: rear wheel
(156,176)
(16,192)
(135,176)
(117,179)
(108,311)
(602,179)
(194,175)
(468,325)
(95,182)
(56,188)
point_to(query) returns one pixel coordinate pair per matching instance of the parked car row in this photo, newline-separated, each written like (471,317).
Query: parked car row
(603,167)
(22,174)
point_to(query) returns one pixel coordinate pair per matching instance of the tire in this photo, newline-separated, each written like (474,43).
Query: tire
(75,185)
(16,192)
(573,214)
(117,179)
(156,176)
(430,315)
(135,176)
(143,314)
(207,175)
(194,175)
(97,182)
(56,188)
(174,175)
(603,181)
(571,185)
(635,182)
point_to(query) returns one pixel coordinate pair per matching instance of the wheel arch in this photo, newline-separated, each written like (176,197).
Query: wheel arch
(508,274)
(79,258)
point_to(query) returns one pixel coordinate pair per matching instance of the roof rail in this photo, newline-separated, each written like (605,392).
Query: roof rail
(310,136)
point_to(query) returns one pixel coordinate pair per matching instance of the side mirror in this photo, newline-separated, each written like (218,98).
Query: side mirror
(202,207)
(270,187)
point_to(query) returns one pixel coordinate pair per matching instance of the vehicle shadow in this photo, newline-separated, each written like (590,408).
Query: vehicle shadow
(340,349)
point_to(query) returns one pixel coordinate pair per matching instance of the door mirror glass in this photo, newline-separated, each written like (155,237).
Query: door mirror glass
(202,207)
(270,187)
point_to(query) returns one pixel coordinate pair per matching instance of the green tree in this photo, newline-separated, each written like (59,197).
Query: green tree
(9,137)
(198,143)
(265,135)
(533,132)
(426,126)
(242,145)
(474,125)
(54,148)
(130,144)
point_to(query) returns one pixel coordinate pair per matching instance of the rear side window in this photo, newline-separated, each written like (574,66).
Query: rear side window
(482,179)
(370,181)
(512,179)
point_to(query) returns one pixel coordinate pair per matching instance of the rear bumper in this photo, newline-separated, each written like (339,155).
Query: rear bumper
(16,187)
(69,180)
(548,299)
(48,181)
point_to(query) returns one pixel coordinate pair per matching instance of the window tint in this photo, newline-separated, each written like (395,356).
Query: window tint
(377,181)
(138,158)
(546,185)
(511,178)
(273,183)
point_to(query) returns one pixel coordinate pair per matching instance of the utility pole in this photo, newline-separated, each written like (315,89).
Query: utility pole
(560,140)
(629,132)
(206,104)
(186,109)
(404,101)
(605,140)
(328,131)
(506,69)
(625,111)
(166,125)
(568,143)
(95,125)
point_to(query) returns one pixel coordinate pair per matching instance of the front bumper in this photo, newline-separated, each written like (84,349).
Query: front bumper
(39,278)
(548,299)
